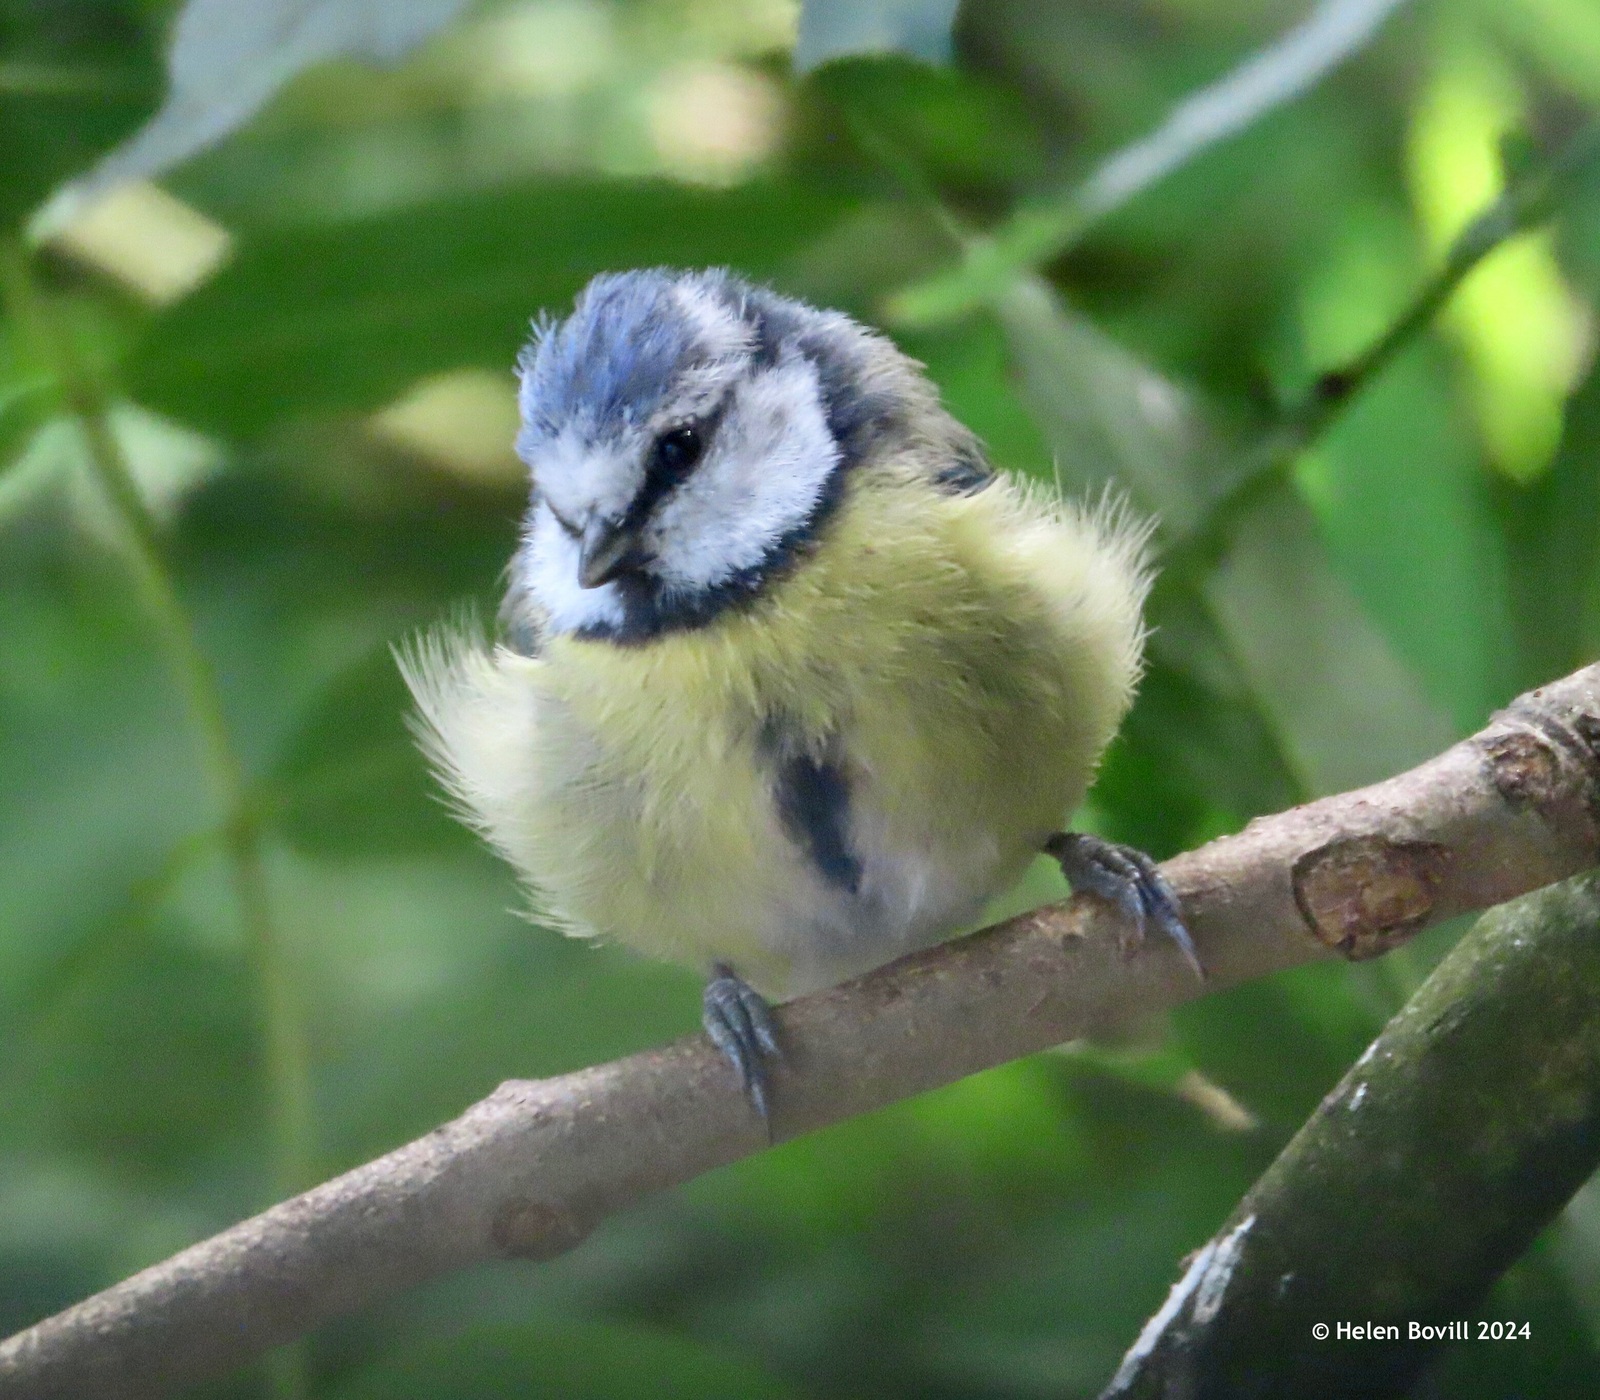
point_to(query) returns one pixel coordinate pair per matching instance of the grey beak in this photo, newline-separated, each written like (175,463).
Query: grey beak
(605,550)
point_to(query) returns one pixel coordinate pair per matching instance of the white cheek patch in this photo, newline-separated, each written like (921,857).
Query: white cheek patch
(578,478)
(547,566)
(768,464)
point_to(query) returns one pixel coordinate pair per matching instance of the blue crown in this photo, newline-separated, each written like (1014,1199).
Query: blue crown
(610,363)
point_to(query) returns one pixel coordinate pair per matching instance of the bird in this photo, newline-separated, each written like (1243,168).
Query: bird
(788,681)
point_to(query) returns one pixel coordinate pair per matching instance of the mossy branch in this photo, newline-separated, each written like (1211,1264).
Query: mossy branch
(1448,1146)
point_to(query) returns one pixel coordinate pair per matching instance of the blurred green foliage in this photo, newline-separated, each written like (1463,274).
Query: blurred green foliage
(1364,600)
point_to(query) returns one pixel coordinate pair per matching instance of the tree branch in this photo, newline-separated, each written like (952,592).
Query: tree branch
(531,1169)
(1448,1146)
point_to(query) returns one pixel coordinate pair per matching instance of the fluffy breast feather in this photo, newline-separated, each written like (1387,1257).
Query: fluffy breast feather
(963,659)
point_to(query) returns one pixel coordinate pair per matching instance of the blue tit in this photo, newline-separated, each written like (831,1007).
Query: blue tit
(789,682)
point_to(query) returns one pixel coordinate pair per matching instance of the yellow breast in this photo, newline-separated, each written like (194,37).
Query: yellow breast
(964,660)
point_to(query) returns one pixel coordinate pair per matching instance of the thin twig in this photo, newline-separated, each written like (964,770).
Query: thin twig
(1532,198)
(287,1071)
(529,1171)
(1529,200)
(1038,233)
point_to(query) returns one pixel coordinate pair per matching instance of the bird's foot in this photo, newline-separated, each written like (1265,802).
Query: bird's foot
(740,1024)
(1130,880)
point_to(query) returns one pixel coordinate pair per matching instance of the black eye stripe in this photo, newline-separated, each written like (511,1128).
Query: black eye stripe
(566,525)
(664,472)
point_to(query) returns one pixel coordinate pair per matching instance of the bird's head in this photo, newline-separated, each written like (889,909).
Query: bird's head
(687,436)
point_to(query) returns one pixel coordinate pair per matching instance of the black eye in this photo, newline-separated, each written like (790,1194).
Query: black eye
(677,451)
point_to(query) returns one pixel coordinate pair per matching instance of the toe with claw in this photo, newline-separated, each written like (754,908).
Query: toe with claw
(1130,880)
(740,1025)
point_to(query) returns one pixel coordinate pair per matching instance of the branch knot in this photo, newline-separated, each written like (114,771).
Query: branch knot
(1364,894)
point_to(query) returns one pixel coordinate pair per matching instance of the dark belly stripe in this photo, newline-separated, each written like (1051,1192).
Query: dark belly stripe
(814,804)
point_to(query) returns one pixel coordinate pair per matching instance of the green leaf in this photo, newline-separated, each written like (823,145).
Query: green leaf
(1405,510)
(1345,709)
(98,773)
(226,59)
(351,780)
(969,362)
(950,124)
(1195,758)
(144,1061)
(24,409)
(1107,417)
(342,318)
(578,1361)
(1276,74)
(1552,529)
(73,80)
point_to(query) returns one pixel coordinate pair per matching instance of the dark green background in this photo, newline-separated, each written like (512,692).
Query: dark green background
(1005,1237)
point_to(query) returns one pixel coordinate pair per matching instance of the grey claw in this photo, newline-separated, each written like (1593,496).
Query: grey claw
(1161,904)
(740,1025)
(1130,879)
